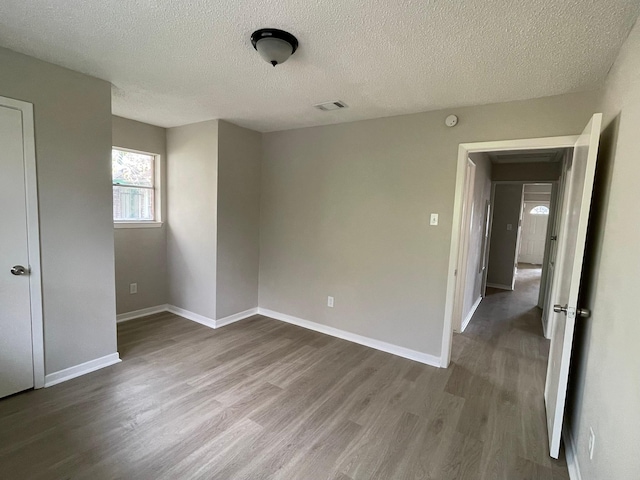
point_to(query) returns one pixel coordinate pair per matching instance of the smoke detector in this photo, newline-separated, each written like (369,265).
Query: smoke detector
(329,106)
(451,121)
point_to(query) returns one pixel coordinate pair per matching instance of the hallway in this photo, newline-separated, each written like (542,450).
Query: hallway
(500,364)
(502,310)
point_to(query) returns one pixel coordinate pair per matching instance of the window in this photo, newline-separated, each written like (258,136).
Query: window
(134,187)
(539,210)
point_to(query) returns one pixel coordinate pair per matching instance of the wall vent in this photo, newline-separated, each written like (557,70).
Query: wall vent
(328,106)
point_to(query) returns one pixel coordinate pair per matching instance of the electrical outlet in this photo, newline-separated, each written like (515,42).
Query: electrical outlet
(133,288)
(434,219)
(330,302)
(592,442)
(509,226)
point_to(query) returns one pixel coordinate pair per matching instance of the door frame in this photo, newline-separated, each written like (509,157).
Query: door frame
(33,235)
(464,150)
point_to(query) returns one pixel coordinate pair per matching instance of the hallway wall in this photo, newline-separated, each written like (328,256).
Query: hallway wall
(507,200)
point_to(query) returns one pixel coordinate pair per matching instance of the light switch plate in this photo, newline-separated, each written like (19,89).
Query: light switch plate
(434,219)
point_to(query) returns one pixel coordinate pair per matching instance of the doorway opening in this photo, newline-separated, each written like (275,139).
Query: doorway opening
(520,245)
(507,210)
(501,165)
(536,237)
(561,270)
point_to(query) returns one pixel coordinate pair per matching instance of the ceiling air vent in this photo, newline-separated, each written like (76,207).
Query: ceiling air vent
(327,107)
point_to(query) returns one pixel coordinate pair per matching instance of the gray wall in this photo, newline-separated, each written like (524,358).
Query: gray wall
(605,386)
(481,194)
(538,193)
(192,181)
(537,197)
(507,202)
(239,159)
(538,172)
(345,212)
(141,253)
(73,152)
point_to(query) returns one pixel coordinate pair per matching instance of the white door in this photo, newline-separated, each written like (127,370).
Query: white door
(566,282)
(534,232)
(463,255)
(16,349)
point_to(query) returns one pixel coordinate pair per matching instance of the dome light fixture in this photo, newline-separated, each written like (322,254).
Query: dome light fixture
(274,45)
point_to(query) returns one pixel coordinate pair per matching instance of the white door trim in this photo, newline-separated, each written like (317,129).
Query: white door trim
(33,235)
(463,152)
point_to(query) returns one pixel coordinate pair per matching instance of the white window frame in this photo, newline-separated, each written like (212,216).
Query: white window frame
(157,194)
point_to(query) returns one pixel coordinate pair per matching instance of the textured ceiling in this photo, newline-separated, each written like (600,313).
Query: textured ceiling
(173,62)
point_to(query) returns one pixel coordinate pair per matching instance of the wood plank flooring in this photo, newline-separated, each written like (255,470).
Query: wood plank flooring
(262,399)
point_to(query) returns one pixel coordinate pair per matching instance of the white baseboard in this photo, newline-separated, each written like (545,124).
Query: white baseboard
(466,321)
(82,369)
(500,286)
(355,338)
(236,317)
(571,455)
(335,332)
(194,317)
(210,322)
(124,317)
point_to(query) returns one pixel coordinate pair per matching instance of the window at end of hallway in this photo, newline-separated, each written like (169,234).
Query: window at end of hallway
(539,210)
(135,189)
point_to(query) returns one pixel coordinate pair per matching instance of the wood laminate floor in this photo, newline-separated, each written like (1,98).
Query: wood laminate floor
(262,399)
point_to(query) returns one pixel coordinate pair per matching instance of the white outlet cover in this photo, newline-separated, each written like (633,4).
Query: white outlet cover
(330,302)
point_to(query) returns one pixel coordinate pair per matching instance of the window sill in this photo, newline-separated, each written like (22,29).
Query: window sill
(137,224)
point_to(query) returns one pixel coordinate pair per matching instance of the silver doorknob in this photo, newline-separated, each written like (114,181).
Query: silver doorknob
(580,312)
(560,309)
(19,270)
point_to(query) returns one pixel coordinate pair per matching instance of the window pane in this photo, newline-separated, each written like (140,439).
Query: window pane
(131,204)
(540,210)
(130,168)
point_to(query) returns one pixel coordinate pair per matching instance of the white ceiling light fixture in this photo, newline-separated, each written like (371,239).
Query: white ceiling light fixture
(274,45)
